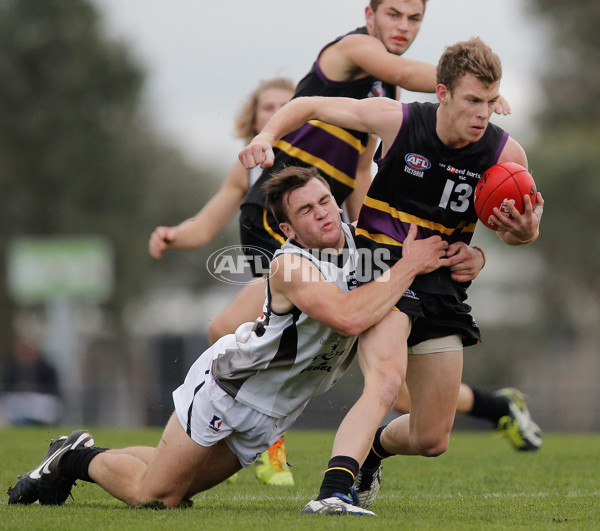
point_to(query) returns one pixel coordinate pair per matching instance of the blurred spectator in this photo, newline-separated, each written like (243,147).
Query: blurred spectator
(29,389)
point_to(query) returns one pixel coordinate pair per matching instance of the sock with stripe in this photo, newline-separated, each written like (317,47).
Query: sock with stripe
(339,476)
(377,452)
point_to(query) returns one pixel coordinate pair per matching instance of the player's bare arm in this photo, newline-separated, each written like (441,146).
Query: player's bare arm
(380,116)
(357,56)
(295,281)
(212,219)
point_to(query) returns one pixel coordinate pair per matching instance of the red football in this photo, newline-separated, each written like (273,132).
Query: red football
(503,182)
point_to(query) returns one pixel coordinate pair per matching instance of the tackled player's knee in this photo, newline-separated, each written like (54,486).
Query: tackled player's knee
(432,446)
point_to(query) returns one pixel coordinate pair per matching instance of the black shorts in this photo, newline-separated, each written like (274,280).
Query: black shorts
(438,315)
(260,236)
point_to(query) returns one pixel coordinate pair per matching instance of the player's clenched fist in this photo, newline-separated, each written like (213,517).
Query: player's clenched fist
(258,152)
(160,240)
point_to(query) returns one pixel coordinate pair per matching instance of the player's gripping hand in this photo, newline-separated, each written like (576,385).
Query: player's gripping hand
(160,241)
(429,254)
(258,152)
(465,262)
(519,229)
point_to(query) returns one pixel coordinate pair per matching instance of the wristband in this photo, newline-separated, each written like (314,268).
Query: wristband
(532,239)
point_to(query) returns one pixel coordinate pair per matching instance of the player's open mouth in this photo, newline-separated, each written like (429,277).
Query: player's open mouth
(400,39)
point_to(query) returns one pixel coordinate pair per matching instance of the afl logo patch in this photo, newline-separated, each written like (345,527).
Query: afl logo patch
(377,90)
(417,162)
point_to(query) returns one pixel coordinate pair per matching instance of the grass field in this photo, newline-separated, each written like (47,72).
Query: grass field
(480,483)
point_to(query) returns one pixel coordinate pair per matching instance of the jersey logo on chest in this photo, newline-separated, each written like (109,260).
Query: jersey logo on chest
(416,164)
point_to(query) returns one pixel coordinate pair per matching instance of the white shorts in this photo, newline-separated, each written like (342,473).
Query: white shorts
(438,344)
(208,414)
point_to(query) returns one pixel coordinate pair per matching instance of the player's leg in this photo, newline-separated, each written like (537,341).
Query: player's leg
(382,358)
(170,477)
(464,404)
(220,465)
(465,399)
(506,409)
(272,468)
(433,382)
(143,453)
(245,307)
(402,404)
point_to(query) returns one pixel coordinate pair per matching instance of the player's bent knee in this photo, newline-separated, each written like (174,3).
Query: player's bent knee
(432,447)
(156,502)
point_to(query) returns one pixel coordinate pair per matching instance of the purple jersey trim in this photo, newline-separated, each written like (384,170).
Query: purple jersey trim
(377,158)
(501,145)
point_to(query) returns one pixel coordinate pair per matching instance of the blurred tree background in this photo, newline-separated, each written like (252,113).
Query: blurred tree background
(555,356)
(79,156)
(564,160)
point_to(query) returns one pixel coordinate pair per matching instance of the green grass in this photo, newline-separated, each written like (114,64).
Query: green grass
(480,483)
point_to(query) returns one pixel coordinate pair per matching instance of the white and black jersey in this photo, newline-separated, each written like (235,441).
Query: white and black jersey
(277,364)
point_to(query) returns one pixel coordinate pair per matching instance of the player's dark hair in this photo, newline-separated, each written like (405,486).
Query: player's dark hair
(376,3)
(473,57)
(283,183)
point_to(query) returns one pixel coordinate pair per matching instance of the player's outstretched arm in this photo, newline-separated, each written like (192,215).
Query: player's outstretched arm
(380,116)
(370,55)
(204,226)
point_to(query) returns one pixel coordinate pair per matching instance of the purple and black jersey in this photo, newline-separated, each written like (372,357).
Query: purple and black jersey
(332,150)
(420,180)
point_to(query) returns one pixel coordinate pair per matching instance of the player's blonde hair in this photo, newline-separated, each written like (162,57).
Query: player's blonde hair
(474,57)
(244,122)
